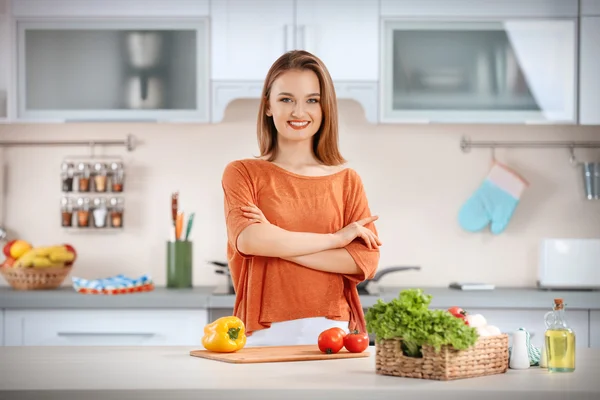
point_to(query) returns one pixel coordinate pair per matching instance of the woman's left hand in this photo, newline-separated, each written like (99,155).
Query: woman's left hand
(254,213)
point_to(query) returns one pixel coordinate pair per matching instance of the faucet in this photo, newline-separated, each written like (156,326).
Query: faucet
(365,286)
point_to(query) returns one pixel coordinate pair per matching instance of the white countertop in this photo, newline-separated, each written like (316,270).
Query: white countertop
(170,372)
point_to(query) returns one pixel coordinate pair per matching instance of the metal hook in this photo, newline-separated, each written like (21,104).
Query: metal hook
(572,158)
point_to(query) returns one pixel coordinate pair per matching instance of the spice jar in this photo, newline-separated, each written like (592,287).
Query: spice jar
(100,177)
(99,213)
(83,212)
(116,212)
(83,170)
(67,176)
(66,208)
(117,176)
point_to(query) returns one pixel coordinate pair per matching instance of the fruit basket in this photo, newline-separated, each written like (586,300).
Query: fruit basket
(36,268)
(489,356)
(35,278)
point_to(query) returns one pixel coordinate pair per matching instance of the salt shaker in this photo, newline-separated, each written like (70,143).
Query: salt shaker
(519,358)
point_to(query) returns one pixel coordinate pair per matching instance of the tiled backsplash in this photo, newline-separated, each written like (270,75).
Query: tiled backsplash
(416,178)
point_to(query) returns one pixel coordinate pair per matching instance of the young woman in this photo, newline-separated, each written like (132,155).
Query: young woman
(300,232)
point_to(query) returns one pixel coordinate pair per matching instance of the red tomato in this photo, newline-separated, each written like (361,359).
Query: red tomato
(459,313)
(331,340)
(356,342)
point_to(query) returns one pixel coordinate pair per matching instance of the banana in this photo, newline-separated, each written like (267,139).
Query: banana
(41,262)
(26,260)
(47,250)
(61,256)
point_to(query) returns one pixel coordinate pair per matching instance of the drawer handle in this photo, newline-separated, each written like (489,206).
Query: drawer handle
(105,334)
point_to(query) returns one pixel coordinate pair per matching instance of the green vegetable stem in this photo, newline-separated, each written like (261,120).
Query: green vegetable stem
(409,318)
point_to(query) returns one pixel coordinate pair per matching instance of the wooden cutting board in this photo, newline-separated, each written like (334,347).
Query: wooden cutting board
(276,354)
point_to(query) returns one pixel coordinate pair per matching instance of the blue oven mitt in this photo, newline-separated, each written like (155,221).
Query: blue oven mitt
(494,201)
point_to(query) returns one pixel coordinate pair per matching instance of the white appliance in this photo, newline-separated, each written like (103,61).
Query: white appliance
(569,264)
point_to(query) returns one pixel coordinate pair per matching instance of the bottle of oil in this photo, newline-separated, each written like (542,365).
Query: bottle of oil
(560,340)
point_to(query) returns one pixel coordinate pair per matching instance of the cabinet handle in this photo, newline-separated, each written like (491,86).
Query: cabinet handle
(288,38)
(67,334)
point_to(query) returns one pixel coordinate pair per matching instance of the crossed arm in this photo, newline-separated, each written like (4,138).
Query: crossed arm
(323,252)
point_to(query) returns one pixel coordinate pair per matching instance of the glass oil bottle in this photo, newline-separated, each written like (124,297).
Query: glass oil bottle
(560,340)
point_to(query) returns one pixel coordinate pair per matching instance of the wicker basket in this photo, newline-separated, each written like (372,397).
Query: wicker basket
(489,356)
(35,278)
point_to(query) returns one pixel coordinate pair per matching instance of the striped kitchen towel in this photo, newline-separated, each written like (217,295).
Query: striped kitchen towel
(533,352)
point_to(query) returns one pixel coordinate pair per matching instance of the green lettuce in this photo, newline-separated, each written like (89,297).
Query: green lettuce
(408,317)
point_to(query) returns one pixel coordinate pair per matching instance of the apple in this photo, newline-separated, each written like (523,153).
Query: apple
(6,249)
(9,262)
(18,248)
(70,249)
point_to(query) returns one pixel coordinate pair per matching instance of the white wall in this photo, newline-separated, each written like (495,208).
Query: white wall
(416,179)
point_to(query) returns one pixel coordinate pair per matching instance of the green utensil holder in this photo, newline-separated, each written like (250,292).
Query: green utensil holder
(179,264)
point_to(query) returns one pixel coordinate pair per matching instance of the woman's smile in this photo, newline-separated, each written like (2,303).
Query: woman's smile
(297,124)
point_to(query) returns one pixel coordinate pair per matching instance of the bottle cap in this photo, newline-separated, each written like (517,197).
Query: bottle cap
(558,301)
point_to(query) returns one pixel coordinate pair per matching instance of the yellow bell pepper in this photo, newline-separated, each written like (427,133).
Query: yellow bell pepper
(225,335)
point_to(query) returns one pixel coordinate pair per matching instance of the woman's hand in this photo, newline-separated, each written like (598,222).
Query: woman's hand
(357,229)
(254,213)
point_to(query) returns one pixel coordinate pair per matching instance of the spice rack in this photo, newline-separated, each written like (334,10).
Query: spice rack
(92,193)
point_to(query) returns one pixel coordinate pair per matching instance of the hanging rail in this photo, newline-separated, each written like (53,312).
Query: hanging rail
(466,144)
(129,143)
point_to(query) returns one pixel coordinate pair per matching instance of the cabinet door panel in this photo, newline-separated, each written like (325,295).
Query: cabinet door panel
(347,41)
(105,327)
(589,107)
(595,329)
(248,36)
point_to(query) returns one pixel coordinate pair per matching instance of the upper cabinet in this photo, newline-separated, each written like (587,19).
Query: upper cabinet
(589,82)
(248,36)
(106,60)
(499,62)
(243,48)
(4,59)
(112,70)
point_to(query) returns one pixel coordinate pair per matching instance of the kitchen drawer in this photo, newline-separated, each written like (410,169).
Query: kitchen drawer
(595,329)
(147,327)
(509,320)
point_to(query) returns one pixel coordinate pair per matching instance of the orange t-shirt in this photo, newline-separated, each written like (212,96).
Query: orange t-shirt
(270,289)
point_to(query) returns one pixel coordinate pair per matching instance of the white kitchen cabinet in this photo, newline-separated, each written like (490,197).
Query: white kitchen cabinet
(510,320)
(590,7)
(118,69)
(479,70)
(345,41)
(131,327)
(247,37)
(477,9)
(595,329)
(589,82)
(110,8)
(5,58)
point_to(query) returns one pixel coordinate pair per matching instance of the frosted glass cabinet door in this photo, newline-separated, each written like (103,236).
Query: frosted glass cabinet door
(113,70)
(511,71)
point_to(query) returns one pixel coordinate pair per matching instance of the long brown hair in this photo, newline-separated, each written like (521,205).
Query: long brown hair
(325,141)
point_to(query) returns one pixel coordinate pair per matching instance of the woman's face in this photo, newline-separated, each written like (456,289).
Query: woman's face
(294,104)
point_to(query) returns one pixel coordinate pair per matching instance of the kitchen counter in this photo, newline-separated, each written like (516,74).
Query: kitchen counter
(170,372)
(202,297)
